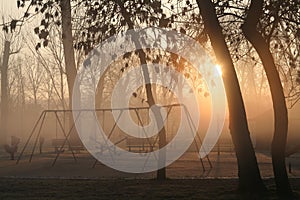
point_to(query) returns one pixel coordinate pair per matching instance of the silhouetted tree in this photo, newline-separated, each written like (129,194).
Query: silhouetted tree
(279,104)
(249,176)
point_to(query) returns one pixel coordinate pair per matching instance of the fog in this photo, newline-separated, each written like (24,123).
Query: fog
(259,113)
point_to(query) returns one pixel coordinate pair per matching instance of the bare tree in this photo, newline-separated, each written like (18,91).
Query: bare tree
(7,52)
(35,75)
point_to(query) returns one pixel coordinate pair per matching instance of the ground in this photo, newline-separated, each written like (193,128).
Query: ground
(15,188)
(68,179)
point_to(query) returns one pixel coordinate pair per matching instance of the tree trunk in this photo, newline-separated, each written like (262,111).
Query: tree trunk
(162,140)
(279,104)
(161,173)
(249,176)
(4,93)
(68,48)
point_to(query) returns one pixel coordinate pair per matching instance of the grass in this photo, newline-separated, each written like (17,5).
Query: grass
(13,188)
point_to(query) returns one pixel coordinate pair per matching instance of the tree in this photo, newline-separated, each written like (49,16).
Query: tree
(7,52)
(278,98)
(4,93)
(67,39)
(161,173)
(122,16)
(51,60)
(249,176)
(36,76)
(18,87)
(57,13)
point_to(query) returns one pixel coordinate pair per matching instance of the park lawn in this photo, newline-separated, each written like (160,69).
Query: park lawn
(129,189)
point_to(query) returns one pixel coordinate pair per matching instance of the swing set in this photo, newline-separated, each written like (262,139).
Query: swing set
(136,145)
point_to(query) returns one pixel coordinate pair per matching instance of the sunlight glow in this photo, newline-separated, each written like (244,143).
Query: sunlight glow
(219,70)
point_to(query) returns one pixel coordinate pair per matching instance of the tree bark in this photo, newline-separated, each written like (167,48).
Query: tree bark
(249,176)
(162,140)
(4,92)
(67,40)
(279,104)
(161,173)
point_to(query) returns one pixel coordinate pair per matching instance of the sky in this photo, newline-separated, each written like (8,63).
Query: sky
(8,8)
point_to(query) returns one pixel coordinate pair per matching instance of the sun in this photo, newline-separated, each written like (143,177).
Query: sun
(219,69)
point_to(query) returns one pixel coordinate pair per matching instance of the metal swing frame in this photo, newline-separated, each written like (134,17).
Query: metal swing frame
(40,122)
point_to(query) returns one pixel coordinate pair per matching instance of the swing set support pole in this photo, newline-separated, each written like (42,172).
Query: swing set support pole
(64,132)
(37,137)
(69,133)
(30,136)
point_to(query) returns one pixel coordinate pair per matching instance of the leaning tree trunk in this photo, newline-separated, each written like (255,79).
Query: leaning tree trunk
(4,93)
(279,104)
(162,140)
(249,176)
(67,40)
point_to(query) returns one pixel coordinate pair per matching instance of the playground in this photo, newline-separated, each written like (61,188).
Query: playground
(45,163)
(44,155)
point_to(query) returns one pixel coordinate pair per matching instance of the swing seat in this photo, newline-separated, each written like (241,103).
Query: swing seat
(139,145)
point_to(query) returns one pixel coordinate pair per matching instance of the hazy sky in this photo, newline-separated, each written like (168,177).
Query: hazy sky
(8,9)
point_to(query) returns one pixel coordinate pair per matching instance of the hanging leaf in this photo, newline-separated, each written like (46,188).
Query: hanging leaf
(45,43)
(56,14)
(43,22)
(13,24)
(47,15)
(44,34)
(38,46)
(5,28)
(58,23)
(36,30)
(182,30)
